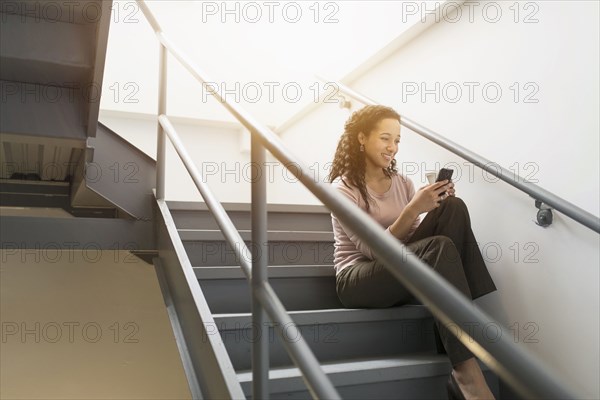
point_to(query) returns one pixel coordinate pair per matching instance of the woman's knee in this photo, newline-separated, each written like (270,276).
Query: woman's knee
(454,202)
(454,211)
(370,285)
(429,245)
(446,249)
(441,241)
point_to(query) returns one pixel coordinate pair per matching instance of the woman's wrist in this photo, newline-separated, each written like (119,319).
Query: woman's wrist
(402,225)
(411,212)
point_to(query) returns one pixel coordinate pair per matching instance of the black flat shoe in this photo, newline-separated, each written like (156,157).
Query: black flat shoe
(454,392)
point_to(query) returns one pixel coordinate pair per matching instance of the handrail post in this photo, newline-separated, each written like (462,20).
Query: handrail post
(260,333)
(160,134)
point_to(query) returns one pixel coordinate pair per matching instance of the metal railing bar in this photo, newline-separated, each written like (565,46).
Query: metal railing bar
(149,16)
(565,207)
(161,141)
(299,351)
(260,345)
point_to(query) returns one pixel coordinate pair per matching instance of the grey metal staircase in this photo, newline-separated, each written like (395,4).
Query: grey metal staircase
(388,352)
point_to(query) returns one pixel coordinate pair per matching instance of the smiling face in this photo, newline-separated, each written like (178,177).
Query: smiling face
(381,144)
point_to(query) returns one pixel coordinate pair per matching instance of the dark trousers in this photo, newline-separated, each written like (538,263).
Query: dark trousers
(444,240)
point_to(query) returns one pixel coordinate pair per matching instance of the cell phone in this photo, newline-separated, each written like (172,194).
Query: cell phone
(445,173)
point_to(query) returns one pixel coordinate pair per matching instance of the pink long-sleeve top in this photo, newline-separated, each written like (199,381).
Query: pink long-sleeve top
(385,209)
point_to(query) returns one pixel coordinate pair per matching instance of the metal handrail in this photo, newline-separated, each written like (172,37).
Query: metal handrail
(513,363)
(567,208)
(264,297)
(299,351)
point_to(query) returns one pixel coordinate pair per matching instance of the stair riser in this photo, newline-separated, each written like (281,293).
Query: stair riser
(219,253)
(336,341)
(189,219)
(295,294)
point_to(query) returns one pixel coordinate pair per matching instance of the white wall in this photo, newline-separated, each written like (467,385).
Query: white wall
(548,279)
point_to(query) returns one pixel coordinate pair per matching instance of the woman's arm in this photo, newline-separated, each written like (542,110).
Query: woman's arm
(425,199)
(342,232)
(403,224)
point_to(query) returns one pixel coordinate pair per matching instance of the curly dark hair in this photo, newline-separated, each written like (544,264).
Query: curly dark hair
(349,161)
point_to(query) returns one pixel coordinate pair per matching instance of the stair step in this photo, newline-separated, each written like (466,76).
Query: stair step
(305,287)
(280,217)
(333,334)
(274,271)
(247,207)
(246,234)
(213,252)
(356,378)
(410,376)
(335,315)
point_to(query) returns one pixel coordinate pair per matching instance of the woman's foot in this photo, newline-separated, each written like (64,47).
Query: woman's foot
(471,381)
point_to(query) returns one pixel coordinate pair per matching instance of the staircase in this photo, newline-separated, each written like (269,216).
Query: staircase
(367,353)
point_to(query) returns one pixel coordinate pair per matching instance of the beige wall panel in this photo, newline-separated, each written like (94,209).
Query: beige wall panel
(85,324)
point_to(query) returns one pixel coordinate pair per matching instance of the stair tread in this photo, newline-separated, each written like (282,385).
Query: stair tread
(361,371)
(274,271)
(247,207)
(334,315)
(281,220)
(246,234)
(250,231)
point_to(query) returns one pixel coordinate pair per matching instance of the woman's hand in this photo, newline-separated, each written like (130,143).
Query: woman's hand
(451,191)
(428,197)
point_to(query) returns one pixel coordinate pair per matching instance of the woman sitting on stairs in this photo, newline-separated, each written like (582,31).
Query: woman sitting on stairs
(364,162)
